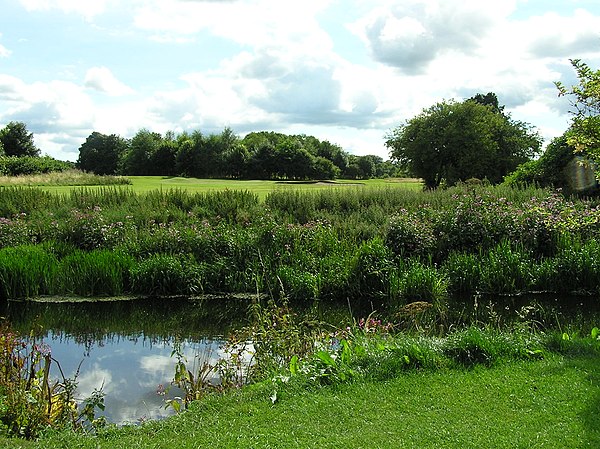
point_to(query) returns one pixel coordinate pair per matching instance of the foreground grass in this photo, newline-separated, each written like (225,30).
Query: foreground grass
(551,403)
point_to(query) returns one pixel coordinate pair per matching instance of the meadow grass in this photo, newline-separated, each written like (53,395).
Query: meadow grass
(547,403)
(70,177)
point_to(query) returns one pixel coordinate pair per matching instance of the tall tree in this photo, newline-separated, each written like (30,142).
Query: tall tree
(186,158)
(454,141)
(17,140)
(137,159)
(584,134)
(101,153)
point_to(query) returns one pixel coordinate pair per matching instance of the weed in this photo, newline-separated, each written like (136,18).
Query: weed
(30,401)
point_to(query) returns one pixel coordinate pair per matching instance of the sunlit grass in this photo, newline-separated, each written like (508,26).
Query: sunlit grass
(141,184)
(549,403)
(65,178)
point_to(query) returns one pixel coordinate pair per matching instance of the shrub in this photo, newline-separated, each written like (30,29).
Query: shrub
(29,165)
(408,235)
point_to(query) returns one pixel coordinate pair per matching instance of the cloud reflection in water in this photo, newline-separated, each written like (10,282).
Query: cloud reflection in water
(129,371)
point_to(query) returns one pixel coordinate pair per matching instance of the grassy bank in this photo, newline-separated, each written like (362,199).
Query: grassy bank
(549,403)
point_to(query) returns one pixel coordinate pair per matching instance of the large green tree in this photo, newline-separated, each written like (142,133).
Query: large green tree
(17,140)
(584,133)
(137,160)
(101,153)
(454,141)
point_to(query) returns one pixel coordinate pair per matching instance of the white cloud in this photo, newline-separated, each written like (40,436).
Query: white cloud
(88,9)
(103,80)
(552,35)
(95,379)
(282,66)
(254,23)
(4,52)
(410,35)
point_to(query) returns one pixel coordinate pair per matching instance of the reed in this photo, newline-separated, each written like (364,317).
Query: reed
(26,271)
(94,273)
(506,269)
(164,275)
(421,282)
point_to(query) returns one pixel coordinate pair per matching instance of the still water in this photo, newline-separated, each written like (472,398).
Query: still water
(130,371)
(126,347)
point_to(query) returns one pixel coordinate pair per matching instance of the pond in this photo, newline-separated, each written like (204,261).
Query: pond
(125,347)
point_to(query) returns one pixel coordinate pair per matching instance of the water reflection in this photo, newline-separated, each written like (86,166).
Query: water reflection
(129,371)
(125,347)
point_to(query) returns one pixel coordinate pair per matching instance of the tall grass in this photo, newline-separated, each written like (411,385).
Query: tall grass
(163,275)
(94,273)
(66,177)
(26,271)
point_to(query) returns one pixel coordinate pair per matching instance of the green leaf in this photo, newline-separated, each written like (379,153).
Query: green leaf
(595,333)
(346,352)
(326,358)
(294,365)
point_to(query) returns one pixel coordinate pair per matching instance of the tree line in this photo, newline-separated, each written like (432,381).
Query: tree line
(259,155)
(446,143)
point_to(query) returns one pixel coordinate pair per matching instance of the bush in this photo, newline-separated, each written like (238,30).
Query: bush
(30,165)
(408,235)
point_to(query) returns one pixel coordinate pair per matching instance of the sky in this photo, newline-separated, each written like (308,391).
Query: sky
(346,71)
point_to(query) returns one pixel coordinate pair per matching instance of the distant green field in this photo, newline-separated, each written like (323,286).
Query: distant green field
(261,188)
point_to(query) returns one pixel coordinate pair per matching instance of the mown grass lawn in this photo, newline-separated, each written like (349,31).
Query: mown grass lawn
(553,403)
(142,184)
